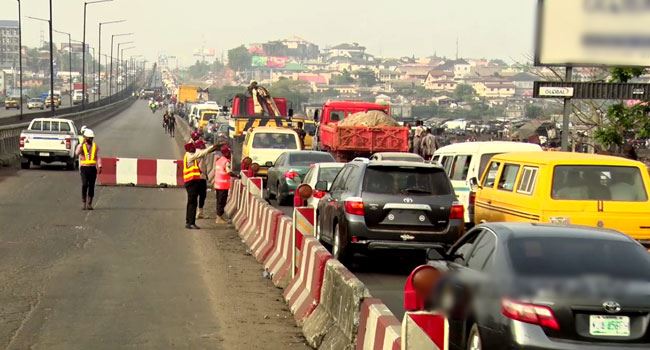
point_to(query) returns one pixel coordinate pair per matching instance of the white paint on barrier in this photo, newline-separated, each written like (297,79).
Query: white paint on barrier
(166,172)
(126,171)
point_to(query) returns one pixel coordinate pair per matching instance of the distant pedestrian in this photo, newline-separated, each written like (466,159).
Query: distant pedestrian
(417,140)
(629,152)
(89,166)
(192,180)
(203,186)
(223,174)
(171,125)
(429,145)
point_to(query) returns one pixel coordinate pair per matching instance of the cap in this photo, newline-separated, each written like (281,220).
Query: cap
(89,133)
(196,135)
(190,147)
(199,144)
(225,149)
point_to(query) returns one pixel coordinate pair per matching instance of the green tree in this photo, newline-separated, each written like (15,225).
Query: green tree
(534,112)
(198,70)
(366,77)
(239,58)
(224,94)
(344,78)
(295,91)
(464,92)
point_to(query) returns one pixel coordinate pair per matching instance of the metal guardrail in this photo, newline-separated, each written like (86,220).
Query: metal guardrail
(10,134)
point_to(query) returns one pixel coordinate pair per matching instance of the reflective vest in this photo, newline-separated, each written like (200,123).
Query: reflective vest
(191,173)
(90,159)
(221,174)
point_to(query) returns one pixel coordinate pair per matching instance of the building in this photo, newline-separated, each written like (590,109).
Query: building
(8,44)
(294,47)
(415,72)
(439,80)
(346,50)
(494,89)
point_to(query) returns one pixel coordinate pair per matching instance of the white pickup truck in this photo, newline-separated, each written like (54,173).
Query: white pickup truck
(49,140)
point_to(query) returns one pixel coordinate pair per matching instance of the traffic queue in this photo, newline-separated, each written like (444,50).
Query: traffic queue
(526,248)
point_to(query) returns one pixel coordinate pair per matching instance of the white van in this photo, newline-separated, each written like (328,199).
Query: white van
(463,161)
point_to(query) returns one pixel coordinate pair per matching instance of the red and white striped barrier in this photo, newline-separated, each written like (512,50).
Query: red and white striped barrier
(303,224)
(303,293)
(141,172)
(379,329)
(278,264)
(267,233)
(233,198)
(425,330)
(256,187)
(243,210)
(249,229)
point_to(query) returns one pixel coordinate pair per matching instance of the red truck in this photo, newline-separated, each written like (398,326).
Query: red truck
(348,142)
(242,106)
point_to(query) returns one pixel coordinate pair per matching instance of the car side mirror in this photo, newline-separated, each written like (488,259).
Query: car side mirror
(321,186)
(473,182)
(268,164)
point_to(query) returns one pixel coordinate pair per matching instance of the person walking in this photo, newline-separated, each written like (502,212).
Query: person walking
(429,145)
(222,176)
(417,140)
(171,125)
(192,180)
(89,166)
(199,144)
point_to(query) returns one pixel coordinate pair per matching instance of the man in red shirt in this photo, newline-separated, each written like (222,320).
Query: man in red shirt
(89,166)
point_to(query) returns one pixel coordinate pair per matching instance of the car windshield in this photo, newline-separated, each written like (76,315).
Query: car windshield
(208,115)
(609,183)
(328,174)
(308,158)
(274,140)
(34,100)
(407,180)
(574,257)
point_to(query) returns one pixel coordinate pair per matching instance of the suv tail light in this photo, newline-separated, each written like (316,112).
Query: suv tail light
(68,143)
(291,175)
(530,313)
(354,206)
(457,212)
(21,143)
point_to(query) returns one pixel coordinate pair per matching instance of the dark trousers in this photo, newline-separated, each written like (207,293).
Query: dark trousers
(172,129)
(88,178)
(222,198)
(192,188)
(203,192)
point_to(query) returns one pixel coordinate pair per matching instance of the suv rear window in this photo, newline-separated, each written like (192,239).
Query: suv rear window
(573,257)
(306,159)
(407,180)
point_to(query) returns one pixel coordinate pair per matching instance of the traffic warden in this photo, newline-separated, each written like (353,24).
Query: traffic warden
(222,175)
(89,166)
(199,144)
(192,179)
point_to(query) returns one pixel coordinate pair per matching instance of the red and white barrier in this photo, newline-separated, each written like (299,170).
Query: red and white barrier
(233,198)
(256,187)
(278,264)
(243,209)
(303,293)
(425,330)
(303,224)
(250,228)
(379,329)
(141,172)
(266,235)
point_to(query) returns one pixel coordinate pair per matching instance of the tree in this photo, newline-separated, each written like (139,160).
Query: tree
(239,59)
(464,92)
(366,77)
(198,70)
(295,91)
(534,112)
(344,78)
(226,93)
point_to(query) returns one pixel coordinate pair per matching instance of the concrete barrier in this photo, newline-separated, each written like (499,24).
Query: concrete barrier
(425,330)
(278,264)
(248,231)
(233,198)
(304,292)
(266,236)
(141,172)
(335,321)
(243,211)
(379,329)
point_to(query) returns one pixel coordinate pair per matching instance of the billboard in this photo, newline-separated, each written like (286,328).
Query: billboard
(593,33)
(259,61)
(269,61)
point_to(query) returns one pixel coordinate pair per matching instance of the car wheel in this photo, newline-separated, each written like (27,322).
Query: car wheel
(25,164)
(37,162)
(340,246)
(474,339)
(69,165)
(282,200)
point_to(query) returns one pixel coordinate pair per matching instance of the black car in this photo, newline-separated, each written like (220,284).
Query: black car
(374,205)
(533,286)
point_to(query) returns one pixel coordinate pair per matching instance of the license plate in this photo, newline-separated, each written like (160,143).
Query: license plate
(44,154)
(610,326)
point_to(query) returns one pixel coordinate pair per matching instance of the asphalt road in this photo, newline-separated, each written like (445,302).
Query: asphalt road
(384,275)
(126,275)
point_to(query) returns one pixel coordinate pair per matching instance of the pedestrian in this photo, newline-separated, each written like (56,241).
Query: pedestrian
(410,131)
(629,152)
(222,175)
(192,180)
(417,140)
(300,130)
(429,145)
(89,166)
(171,125)
(199,144)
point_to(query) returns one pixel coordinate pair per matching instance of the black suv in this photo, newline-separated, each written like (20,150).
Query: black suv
(388,205)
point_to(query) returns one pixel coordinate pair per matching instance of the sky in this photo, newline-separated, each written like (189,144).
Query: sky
(389,28)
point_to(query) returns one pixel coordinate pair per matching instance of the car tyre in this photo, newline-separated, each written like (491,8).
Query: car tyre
(474,339)
(340,249)
(37,162)
(282,200)
(25,164)
(70,164)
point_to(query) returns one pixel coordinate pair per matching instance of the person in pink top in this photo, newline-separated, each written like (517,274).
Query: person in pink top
(89,166)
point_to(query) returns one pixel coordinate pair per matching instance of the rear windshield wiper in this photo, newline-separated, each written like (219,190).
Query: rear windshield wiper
(416,190)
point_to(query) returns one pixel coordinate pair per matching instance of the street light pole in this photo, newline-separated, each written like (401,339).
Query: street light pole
(51,97)
(119,61)
(69,62)
(20,58)
(110,81)
(126,68)
(99,64)
(83,54)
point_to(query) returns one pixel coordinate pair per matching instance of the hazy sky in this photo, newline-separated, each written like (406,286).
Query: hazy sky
(485,28)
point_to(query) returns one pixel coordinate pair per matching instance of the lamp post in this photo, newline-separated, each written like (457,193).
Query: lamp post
(117,72)
(126,69)
(99,64)
(51,97)
(20,58)
(110,81)
(69,62)
(83,49)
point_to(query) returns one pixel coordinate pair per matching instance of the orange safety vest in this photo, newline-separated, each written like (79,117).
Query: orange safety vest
(191,173)
(221,175)
(89,159)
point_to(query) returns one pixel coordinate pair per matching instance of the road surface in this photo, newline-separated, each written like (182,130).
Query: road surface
(127,275)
